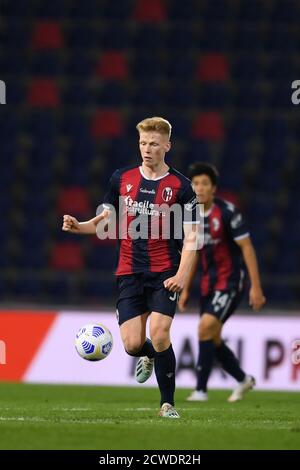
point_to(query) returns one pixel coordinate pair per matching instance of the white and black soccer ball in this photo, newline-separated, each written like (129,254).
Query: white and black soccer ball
(94,342)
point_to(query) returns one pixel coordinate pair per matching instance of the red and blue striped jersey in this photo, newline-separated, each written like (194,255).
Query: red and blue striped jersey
(158,249)
(222,264)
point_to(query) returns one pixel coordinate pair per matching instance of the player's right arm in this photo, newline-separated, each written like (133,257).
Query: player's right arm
(71,224)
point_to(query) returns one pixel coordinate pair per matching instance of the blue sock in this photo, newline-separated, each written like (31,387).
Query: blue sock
(229,362)
(146,350)
(205,363)
(165,363)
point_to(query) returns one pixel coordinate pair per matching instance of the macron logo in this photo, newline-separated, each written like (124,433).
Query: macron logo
(129,187)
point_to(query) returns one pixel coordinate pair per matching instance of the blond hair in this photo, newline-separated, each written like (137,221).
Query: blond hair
(155,124)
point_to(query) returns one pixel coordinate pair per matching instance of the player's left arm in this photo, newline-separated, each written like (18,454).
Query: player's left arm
(256,296)
(188,255)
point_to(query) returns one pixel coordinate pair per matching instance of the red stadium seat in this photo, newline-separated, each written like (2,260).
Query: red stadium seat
(107,124)
(150,12)
(43,93)
(47,35)
(112,66)
(213,67)
(67,256)
(75,201)
(208,126)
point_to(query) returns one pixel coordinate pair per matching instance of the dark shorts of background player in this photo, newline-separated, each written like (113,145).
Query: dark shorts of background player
(221,304)
(144,292)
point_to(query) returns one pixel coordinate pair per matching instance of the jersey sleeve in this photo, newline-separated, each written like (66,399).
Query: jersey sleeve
(236,224)
(190,206)
(111,197)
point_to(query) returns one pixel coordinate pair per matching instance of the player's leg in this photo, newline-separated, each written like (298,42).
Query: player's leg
(133,334)
(132,311)
(209,329)
(164,362)
(229,361)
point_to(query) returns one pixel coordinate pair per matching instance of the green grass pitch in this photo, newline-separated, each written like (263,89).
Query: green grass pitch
(86,417)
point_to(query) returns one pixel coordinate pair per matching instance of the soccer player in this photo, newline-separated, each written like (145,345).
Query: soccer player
(150,271)
(227,247)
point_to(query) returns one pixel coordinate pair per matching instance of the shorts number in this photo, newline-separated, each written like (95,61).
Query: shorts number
(219,300)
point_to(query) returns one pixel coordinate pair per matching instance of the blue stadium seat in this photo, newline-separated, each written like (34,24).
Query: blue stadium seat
(247,67)
(117,10)
(112,94)
(78,94)
(115,38)
(47,63)
(281,40)
(252,11)
(249,96)
(213,95)
(285,11)
(247,38)
(216,10)
(181,37)
(54,9)
(179,95)
(182,11)
(79,63)
(145,37)
(86,10)
(214,37)
(82,36)
(102,257)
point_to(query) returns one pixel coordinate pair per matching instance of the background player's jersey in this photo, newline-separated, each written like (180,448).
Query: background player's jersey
(140,199)
(222,264)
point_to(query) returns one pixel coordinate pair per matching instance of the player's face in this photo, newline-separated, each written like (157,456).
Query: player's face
(153,147)
(203,188)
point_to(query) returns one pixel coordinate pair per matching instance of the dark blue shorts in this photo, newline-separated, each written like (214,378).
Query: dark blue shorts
(144,292)
(221,304)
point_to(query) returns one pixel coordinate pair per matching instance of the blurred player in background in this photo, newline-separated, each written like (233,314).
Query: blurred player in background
(227,246)
(150,272)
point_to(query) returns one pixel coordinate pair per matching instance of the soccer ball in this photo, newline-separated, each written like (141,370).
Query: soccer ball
(93,342)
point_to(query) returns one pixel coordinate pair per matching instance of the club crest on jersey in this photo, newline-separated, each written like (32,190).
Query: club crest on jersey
(128,187)
(167,194)
(216,224)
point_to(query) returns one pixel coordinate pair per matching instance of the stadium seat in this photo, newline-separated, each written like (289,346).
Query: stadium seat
(73,200)
(182,11)
(43,93)
(208,126)
(112,94)
(216,10)
(46,64)
(180,37)
(212,67)
(117,10)
(107,123)
(146,12)
(67,256)
(112,65)
(47,35)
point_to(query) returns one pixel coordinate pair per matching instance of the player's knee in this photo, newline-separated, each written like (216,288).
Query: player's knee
(132,346)
(206,332)
(160,337)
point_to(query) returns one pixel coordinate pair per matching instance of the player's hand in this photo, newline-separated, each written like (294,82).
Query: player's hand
(183,300)
(174,284)
(70,224)
(256,298)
